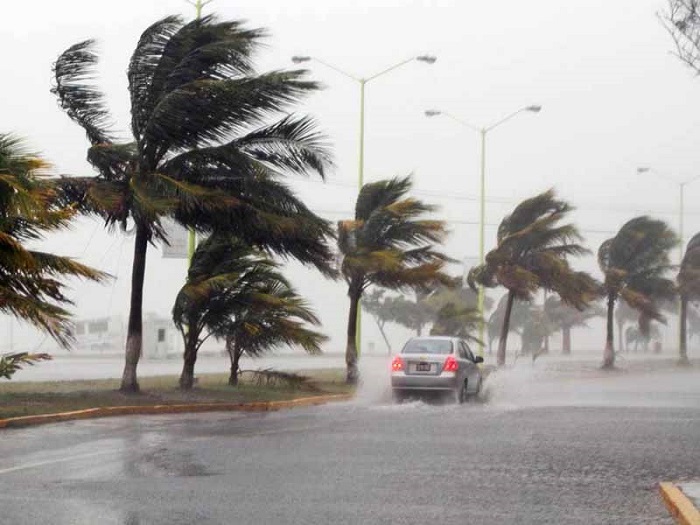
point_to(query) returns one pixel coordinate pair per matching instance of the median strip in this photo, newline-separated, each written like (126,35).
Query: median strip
(91,413)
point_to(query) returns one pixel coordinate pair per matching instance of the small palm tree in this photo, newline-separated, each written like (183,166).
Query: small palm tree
(29,285)
(634,263)
(564,318)
(389,245)
(203,150)
(234,292)
(689,290)
(532,252)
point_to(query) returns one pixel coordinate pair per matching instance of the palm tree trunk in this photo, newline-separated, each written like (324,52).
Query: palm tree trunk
(620,341)
(234,353)
(683,343)
(134,338)
(352,374)
(380,325)
(190,357)
(501,354)
(609,354)
(566,340)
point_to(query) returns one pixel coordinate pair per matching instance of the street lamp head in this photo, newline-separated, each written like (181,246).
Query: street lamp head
(298,59)
(428,59)
(432,112)
(643,169)
(534,108)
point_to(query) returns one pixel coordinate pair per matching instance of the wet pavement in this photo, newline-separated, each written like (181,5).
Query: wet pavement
(692,490)
(538,449)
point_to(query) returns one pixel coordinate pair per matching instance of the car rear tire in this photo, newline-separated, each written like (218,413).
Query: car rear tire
(397,396)
(460,394)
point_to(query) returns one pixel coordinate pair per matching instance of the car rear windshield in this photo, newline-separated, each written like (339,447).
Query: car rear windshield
(428,346)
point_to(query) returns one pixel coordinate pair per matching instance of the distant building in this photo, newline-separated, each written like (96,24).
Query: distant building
(107,335)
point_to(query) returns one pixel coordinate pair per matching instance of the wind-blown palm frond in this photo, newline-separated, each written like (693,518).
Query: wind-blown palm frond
(30,285)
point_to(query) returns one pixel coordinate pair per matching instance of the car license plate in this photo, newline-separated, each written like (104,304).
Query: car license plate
(422,367)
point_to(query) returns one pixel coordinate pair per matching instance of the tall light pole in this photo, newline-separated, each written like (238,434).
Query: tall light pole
(192,236)
(482,131)
(362,81)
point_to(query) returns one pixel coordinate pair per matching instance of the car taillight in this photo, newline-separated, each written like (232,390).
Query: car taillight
(451,364)
(397,364)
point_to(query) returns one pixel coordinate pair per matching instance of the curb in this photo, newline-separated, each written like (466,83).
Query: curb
(99,412)
(678,504)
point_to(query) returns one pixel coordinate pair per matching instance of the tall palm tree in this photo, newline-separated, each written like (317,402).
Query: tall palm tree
(634,263)
(202,151)
(30,288)
(564,317)
(532,252)
(689,290)
(389,245)
(234,292)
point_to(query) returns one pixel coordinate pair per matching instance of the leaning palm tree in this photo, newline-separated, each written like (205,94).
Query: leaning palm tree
(389,245)
(689,290)
(634,263)
(202,151)
(532,252)
(234,292)
(30,288)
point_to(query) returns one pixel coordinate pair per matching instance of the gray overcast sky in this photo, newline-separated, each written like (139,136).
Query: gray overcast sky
(613,98)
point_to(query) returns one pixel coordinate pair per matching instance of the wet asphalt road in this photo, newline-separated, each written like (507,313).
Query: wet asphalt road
(568,450)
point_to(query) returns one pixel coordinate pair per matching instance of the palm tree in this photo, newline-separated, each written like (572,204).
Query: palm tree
(633,264)
(453,310)
(202,149)
(381,308)
(564,318)
(30,288)
(389,245)
(234,292)
(532,252)
(519,314)
(689,289)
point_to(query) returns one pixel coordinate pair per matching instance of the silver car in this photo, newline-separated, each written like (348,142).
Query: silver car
(436,364)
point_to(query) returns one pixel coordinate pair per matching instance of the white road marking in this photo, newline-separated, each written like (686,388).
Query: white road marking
(38,464)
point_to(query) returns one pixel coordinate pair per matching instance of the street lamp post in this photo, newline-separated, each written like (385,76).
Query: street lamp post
(363,81)
(482,131)
(191,235)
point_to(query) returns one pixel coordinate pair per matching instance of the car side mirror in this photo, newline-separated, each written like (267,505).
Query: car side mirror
(478,359)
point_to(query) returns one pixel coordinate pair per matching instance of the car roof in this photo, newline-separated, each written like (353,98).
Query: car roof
(435,337)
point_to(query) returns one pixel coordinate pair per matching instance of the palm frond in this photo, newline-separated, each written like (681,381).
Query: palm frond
(74,74)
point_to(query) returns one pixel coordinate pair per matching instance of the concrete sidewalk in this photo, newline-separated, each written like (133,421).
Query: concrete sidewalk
(683,501)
